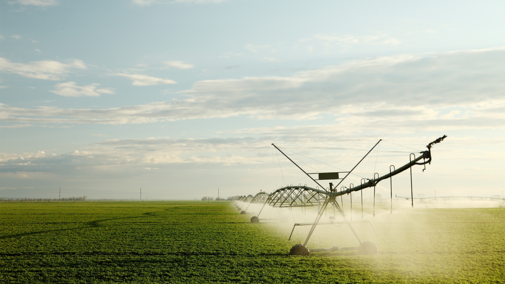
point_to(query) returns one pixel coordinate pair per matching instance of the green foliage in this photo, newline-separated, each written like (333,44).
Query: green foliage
(198,242)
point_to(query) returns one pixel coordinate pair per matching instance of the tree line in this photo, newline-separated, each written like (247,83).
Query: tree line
(80,198)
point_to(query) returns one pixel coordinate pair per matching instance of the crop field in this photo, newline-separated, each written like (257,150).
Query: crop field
(199,242)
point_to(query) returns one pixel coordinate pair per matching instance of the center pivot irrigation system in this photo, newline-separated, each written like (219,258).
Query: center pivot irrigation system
(303,196)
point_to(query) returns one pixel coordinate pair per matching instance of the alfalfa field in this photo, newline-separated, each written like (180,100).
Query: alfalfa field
(201,242)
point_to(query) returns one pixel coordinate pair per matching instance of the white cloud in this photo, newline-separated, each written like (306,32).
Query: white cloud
(400,80)
(5,157)
(139,152)
(37,50)
(169,150)
(45,70)
(200,1)
(70,89)
(422,91)
(143,80)
(16,126)
(143,2)
(36,2)
(149,2)
(179,64)
(15,36)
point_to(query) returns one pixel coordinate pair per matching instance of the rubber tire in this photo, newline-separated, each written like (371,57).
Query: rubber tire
(367,248)
(243,212)
(255,219)
(299,249)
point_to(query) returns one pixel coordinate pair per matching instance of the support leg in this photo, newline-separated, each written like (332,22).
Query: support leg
(318,217)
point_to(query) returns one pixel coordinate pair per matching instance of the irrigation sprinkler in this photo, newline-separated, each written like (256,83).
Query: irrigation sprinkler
(305,196)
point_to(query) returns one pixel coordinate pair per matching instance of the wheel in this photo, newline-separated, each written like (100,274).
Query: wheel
(243,212)
(299,249)
(255,219)
(367,248)
(238,208)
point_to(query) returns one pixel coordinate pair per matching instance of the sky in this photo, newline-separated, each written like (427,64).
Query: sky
(185,97)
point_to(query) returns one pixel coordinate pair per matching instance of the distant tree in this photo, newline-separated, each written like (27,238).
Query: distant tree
(25,199)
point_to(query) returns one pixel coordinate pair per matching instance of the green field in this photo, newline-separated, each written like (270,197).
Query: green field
(197,242)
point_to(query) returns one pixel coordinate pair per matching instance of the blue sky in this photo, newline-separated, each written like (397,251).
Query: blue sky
(180,98)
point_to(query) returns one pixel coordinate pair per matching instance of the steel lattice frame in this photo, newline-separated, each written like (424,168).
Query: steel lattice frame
(261,197)
(295,196)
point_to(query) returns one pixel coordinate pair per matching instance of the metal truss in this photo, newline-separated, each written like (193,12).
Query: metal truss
(295,196)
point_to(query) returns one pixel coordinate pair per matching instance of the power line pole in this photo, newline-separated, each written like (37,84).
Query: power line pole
(141,194)
(59,196)
(218,194)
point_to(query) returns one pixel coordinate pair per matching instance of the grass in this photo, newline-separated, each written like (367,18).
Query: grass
(197,242)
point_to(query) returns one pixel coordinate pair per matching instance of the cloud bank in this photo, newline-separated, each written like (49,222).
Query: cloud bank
(456,89)
(143,2)
(70,89)
(179,64)
(44,70)
(144,80)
